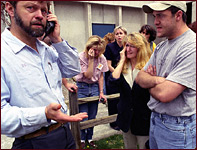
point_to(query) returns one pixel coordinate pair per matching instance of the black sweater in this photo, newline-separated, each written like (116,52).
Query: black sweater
(133,111)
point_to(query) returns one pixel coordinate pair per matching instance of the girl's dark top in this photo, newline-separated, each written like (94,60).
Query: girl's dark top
(133,111)
(112,53)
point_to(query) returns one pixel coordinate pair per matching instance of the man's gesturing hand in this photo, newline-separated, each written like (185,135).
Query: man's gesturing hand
(53,112)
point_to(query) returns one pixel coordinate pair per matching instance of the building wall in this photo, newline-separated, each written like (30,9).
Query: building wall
(72,25)
(132,19)
(76,17)
(103,14)
(136,4)
(193,11)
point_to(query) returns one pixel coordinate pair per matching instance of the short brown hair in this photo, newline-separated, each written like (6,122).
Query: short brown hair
(149,30)
(5,16)
(93,41)
(13,3)
(192,26)
(109,37)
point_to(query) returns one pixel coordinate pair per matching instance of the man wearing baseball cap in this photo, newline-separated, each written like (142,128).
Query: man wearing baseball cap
(170,76)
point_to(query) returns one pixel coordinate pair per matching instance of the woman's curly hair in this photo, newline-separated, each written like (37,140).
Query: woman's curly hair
(144,51)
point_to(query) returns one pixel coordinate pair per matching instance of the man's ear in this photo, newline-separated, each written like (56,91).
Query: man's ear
(10,9)
(178,15)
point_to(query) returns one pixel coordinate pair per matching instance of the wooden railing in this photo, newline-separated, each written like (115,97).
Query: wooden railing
(74,109)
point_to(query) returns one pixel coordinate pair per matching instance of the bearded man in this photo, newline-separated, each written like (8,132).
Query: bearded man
(32,105)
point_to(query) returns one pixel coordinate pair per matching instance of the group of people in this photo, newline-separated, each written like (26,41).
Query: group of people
(157,84)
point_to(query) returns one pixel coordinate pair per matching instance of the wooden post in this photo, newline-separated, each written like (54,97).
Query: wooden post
(75,126)
(74,109)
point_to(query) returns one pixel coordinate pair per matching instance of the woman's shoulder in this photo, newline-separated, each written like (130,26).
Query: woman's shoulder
(112,45)
(82,53)
(82,56)
(102,57)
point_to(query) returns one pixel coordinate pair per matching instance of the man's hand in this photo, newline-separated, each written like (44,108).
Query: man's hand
(53,112)
(151,70)
(148,78)
(55,35)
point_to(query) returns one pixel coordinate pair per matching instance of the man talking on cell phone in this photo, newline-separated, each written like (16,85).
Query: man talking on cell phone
(32,104)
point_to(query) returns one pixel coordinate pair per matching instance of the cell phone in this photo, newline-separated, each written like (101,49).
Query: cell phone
(50,25)
(74,91)
(102,100)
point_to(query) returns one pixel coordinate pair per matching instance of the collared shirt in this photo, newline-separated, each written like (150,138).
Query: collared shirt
(130,75)
(100,65)
(30,81)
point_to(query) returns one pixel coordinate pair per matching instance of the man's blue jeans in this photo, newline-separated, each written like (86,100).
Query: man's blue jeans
(169,132)
(88,90)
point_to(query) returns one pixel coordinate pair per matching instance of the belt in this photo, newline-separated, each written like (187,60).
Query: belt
(42,131)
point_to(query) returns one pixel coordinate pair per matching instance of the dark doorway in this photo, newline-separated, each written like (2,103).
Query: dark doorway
(102,29)
(189,13)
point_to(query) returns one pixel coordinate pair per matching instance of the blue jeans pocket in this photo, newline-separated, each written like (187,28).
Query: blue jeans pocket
(176,133)
(173,126)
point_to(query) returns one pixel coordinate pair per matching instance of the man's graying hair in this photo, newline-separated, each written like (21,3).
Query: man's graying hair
(13,3)
(5,16)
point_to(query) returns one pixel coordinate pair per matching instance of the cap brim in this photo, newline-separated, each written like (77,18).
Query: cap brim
(149,8)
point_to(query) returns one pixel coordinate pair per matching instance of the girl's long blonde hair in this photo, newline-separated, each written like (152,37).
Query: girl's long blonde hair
(144,51)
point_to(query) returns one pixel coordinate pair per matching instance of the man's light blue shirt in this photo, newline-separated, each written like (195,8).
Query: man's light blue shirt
(30,81)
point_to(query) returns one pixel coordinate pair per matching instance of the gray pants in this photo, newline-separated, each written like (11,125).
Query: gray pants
(131,141)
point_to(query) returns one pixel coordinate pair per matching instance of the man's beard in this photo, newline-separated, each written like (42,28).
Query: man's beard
(32,32)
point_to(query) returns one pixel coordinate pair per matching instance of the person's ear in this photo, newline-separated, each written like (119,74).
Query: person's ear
(10,9)
(179,15)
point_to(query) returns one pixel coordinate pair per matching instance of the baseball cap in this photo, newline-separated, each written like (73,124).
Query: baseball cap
(163,5)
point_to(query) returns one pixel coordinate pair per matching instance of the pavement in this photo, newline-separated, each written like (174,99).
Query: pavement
(100,131)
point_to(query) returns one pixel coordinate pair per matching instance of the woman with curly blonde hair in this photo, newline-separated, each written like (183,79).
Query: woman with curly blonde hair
(133,114)
(144,51)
